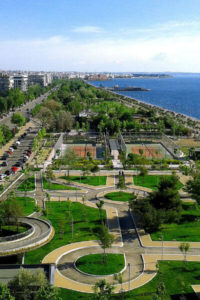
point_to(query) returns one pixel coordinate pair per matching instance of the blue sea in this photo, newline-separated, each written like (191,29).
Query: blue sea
(181,93)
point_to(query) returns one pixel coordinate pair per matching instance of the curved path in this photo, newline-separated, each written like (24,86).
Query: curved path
(141,256)
(41,234)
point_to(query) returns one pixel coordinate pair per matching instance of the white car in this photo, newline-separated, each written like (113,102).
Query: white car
(11,149)
(18,142)
(26,157)
(2,176)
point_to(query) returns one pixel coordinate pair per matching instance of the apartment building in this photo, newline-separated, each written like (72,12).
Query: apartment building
(43,79)
(21,82)
(6,82)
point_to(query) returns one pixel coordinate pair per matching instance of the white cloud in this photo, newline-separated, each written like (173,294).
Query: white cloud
(88,29)
(63,54)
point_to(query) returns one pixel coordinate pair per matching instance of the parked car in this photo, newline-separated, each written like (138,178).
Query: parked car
(7,172)
(2,176)
(5,156)
(15,169)
(18,142)
(11,149)
(10,152)
(4,164)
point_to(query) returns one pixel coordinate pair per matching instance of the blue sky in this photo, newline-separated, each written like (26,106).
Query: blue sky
(100,35)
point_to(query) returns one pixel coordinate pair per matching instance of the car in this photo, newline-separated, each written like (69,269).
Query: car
(5,156)
(15,169)
(15,147)
(2,176)
(7,172)
(4,164)
(18,164)
(11,149)
(17,142)
(25,156)
(10,152)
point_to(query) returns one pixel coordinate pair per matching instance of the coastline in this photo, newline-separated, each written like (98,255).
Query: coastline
(142,103)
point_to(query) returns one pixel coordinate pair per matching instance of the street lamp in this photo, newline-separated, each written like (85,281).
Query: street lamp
(129,275)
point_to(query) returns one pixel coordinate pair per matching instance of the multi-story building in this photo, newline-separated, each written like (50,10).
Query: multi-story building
(43,79)
(21,82)
(6,82)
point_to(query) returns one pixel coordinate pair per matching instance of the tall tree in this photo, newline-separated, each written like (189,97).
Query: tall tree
(69,159)
(106,239)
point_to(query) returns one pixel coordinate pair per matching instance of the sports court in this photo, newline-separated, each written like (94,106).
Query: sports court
(149,150)
(96,150)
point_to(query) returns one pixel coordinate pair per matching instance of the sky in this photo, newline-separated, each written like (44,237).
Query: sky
(100,35)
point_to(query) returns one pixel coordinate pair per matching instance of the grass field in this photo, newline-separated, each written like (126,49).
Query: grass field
(28,184)
(119,196)
(56,186)
(93,264)
(86,224)
(151,181)
(187,230)
(91,180)
(28,204)
(176,279)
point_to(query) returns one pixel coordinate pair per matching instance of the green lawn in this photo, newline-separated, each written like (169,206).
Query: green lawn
(151,181)
(93,264)
(177,281)
(187,230)
(91,180)
(119,196)
(28,184)
(28,204)
(86,224)
(56,186)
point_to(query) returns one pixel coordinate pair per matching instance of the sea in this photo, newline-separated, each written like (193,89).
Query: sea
(179,93)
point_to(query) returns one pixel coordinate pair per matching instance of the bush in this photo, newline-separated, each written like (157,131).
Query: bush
(18,119)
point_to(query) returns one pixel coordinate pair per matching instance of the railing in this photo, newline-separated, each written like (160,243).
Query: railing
(16,236)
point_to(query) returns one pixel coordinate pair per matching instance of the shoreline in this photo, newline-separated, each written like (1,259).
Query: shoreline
(142,103)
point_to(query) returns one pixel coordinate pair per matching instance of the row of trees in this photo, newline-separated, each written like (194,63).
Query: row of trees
(15,98)
(106,112)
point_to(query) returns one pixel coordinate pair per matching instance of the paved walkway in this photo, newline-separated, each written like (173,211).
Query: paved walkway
(140,251)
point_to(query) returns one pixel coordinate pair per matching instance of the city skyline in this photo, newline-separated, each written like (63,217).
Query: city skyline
(116,36)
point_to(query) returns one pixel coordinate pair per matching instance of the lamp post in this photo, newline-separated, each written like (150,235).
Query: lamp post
(129,275)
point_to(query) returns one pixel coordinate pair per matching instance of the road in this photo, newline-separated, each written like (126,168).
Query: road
(25,109)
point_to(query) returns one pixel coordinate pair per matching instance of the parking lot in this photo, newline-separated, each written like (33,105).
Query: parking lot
(17,156)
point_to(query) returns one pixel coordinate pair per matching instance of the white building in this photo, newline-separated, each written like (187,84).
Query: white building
(21,82)
(6,82)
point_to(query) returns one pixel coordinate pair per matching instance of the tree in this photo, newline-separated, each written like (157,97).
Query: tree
(161,290)
(24,285)
(18,119)
(49,175)
(103,290)
(45,116)
(184,248)
(143,172)
(5,293)
(167,198)
(106,239)
(47,292)
(26,172)
(64,121)
(192,186)
(100,207)
(69,158)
